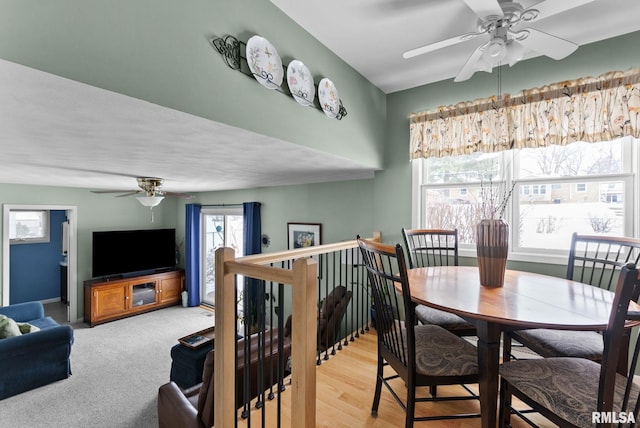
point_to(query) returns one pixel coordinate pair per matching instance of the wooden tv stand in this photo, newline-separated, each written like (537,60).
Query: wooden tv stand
(114,298)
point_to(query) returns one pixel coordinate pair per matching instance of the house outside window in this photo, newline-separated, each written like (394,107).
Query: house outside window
(28,226)
(582,187)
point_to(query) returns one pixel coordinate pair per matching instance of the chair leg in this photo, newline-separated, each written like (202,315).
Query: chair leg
(504,415)
(506,347)
(378,391)
(433,390)
(411,404)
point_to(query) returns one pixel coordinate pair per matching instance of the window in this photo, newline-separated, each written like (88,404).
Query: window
(221,227)
(26,227)
(557,190)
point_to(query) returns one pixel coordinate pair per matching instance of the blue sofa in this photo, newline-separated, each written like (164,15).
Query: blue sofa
(34,359)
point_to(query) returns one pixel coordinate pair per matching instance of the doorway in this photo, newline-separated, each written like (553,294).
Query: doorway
(221,227)
(70,244)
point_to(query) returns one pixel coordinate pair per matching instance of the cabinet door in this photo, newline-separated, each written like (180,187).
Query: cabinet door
(144,294)
(108,301)
(170,289)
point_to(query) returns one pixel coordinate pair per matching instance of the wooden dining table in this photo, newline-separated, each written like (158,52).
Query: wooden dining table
(526,300)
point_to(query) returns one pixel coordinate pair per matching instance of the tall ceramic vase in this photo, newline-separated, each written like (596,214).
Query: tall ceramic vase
(492,241)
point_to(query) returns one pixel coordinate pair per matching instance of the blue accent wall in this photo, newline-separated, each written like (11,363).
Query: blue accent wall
(35,268)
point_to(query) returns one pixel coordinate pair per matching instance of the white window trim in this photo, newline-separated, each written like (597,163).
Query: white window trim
(631,158)
(44,239)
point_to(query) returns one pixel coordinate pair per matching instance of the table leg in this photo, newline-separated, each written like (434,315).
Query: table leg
(488,362)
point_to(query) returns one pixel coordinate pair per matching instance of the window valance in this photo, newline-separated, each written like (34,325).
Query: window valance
(589,109)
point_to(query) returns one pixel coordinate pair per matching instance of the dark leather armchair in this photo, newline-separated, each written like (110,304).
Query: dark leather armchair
(193,407)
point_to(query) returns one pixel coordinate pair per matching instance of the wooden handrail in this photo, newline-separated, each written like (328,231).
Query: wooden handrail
(303,279)
(266,258)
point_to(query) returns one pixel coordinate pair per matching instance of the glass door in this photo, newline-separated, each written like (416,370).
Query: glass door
(221,227)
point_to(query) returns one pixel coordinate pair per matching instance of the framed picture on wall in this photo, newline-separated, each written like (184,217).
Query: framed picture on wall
(303,234)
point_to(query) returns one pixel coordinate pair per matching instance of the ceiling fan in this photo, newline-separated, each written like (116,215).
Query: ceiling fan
(503,41)
(151,193)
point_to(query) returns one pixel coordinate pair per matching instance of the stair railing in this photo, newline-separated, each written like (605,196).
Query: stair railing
(303,277)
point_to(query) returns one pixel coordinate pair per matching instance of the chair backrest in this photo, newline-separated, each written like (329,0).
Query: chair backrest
(330,316)
(205,396)
(614,343)
(431,247)
(597,260)
(386,269)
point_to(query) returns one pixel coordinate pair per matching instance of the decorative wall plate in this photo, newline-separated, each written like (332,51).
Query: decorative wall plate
(264,62)
(301,83)
(328,97)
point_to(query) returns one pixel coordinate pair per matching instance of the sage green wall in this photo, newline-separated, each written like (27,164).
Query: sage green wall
(95,212)
(343,209)
(160,51)
(393,185)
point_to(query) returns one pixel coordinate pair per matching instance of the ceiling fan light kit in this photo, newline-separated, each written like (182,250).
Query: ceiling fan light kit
(150,201)
(151,193)
(503,41)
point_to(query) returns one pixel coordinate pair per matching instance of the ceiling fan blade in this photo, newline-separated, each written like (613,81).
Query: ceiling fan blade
(439,45)
(178,195)
(549,7)
(124,192)
(130,193)
(547,44)
(111,191)
(472,65)
(485,8)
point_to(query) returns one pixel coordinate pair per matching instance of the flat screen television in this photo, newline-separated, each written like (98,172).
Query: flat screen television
(123,252)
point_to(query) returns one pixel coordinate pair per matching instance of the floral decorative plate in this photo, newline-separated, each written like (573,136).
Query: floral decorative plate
(300,83)
(264,62)
(328,96)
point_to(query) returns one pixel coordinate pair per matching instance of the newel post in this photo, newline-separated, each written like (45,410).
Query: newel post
(225,341)
(303,342)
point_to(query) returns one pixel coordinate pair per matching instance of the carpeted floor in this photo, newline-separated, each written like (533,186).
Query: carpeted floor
(117,368)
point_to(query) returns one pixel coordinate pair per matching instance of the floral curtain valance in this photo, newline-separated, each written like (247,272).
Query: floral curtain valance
(590,109)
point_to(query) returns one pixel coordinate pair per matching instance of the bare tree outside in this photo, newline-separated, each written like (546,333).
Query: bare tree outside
(558,190)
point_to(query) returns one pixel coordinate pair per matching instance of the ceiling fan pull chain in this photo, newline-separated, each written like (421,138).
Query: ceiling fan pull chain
(499,74)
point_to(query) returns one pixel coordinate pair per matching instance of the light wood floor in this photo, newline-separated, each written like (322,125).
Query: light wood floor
(345,386)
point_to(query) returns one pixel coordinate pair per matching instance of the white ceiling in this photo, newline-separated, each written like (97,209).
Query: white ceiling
(372,35)
(59,132)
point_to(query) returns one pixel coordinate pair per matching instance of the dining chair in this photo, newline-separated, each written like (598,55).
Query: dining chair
(579,392)
(419,355)
(436,247)
(594,260)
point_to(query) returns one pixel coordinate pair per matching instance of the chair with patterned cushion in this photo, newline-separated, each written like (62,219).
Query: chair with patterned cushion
(436,247)
(594,260)
(420,355)
(578,392)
